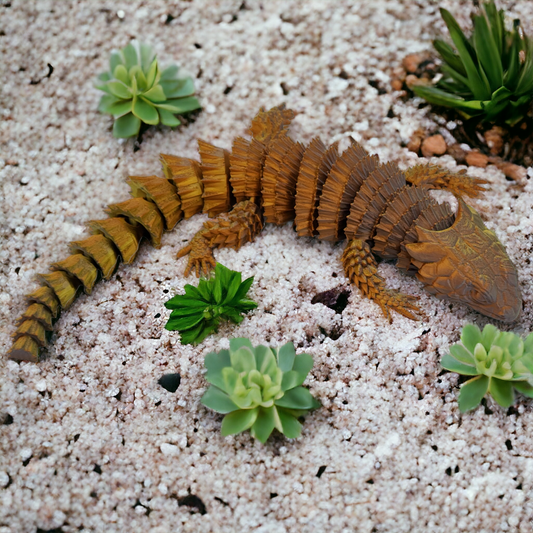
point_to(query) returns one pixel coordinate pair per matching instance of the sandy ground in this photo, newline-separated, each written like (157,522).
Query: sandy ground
(89,440)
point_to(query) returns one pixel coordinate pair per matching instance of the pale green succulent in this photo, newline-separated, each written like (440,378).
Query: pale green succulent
(259,388)
(138,91)
(501,362)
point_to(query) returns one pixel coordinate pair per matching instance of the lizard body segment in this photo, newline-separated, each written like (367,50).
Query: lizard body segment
(379,209)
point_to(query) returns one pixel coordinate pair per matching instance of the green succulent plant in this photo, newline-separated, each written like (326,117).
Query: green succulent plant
(198,312)
(500,361)
(138,91)
(489,74)
(259,388)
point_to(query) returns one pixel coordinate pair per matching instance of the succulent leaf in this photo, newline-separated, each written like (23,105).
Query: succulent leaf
(524,388)
(120,108)
(472,393)
(155,94)
(297,398)
(462,354)
(252,379)
(178,88)
(126,126)
(184,105)
(219,401)
(501,362)
(106,101)
(502,392)
(286,355)
(146,93)
(146,112)
(167,118)
(119,89)
(236,344)
(170,73)
(453,365)
(290,426)
(238,421)
(264,424)
(121,74)
(114,60)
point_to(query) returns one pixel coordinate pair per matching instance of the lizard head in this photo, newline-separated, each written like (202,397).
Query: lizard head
(467,263)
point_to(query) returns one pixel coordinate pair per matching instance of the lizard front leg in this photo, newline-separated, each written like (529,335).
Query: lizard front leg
(233,229)
(434,177)
(362,270)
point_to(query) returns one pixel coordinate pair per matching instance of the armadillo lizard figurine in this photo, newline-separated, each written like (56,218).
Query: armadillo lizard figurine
(379,209)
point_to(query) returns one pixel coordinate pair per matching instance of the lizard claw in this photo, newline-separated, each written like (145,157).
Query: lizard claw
(401,303)
(201,257)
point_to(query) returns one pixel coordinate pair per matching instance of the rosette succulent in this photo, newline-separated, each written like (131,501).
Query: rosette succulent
(138,91)
(259,388)
(199,311)
(500,361)
(488,74)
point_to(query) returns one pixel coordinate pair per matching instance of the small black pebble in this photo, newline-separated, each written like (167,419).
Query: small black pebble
(321,470)
(194,502)
(170,382)
(6,419)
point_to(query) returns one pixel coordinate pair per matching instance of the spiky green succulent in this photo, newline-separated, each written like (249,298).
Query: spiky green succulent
(199,311)
(138,91)
(501,362)
(259,388)
(489,74)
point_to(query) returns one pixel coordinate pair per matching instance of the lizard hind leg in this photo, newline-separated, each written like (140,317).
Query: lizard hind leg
(229,230)
(362,270)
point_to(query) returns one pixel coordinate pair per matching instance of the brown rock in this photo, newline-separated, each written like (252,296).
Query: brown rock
(494,138)
(411,80)
(416,140)
(411,62)
(434,145)
(512,171)
(476,159)
(397,85)
(398,73)
(457,153)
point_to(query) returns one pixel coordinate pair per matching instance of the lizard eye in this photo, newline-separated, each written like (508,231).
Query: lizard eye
(482,298)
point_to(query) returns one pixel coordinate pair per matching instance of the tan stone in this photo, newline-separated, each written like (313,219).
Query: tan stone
(416,140)
(494,138)
(434,145)
(476,159)
(397,85)
(411,81)
(411,62)
(515,172)
(457,153)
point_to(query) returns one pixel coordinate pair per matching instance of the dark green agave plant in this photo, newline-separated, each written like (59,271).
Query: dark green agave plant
(489,74)
(259,388)
(139,92)
(500,362)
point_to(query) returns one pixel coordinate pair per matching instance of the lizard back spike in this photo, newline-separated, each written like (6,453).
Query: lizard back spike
(215,179)
(381,210)
(101,250)
(314,168)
